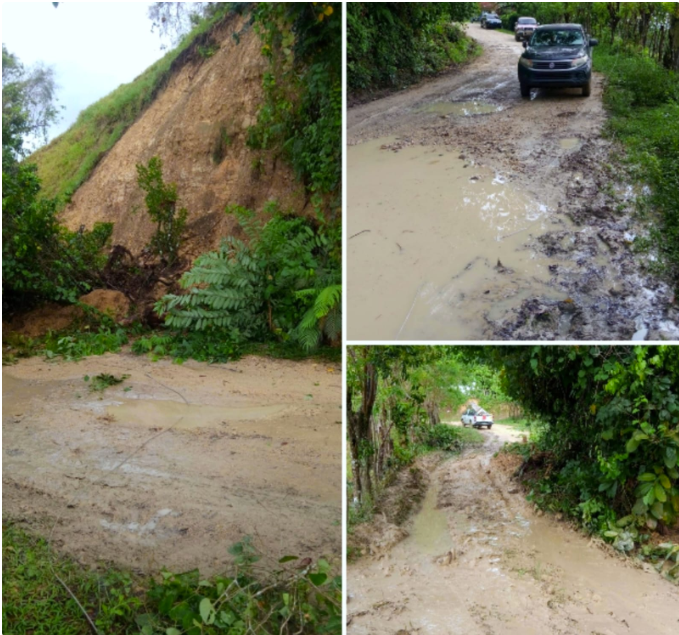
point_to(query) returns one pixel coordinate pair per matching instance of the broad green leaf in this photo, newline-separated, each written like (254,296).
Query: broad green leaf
(632,445)
(647,477)
(207,611)
(660,493)
(657,510)
(318,578)
(288,559)
(670,457)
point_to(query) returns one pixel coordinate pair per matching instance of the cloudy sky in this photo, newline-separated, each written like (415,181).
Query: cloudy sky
(93,46)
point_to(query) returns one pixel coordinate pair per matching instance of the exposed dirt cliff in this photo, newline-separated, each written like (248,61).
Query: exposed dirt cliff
(198,126)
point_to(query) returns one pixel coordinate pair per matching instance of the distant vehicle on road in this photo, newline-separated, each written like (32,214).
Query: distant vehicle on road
(477,417)
(524,29)
(557,56)
(491,21)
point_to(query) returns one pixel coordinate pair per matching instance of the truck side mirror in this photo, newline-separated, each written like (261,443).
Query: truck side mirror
(593,42)
(525,44)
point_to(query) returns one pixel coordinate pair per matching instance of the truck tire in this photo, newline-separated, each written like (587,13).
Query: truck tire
(587,89)
(525,91)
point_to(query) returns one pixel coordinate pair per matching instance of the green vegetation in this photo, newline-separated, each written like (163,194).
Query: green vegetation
(290,600)
(161,204)
(392,44)
(102,381)
(265,288)
(302,111)
(642,98)
(395,395)
(606,450)
(40,259)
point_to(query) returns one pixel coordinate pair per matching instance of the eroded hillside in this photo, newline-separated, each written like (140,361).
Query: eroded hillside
(198,126)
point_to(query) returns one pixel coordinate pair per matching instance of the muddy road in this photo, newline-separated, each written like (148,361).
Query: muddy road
(478,561)
(137,477)
(474,214)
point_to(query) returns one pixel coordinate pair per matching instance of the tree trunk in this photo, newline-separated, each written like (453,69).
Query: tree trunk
(360,437)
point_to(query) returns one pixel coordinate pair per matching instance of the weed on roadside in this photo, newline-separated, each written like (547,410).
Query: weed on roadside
(102,381)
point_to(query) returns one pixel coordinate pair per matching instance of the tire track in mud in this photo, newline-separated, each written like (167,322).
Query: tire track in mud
(504,571)
(549,149)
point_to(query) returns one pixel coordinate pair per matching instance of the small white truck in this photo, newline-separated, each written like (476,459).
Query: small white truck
(477,417)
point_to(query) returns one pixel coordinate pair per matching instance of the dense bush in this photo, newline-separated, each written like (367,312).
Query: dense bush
(610,441)
(443,437)
(41,260)
(390,44)
(302,111)
(264,288)
(509,20)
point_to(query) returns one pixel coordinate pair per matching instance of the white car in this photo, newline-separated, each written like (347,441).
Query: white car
(477,418)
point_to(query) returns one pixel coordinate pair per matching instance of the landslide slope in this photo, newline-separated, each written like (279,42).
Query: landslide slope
(197,123)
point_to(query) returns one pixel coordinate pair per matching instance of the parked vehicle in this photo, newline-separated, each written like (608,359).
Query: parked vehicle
(491,21)
(557,56)
(524,29)
(477,417)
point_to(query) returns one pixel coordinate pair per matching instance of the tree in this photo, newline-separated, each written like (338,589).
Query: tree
(40,259)
(29,105)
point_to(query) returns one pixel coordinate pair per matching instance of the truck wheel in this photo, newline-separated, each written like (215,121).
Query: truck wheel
(525,91)
(587,89)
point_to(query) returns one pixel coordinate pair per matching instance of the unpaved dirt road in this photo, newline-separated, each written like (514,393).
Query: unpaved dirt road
(475,214)
(478,561)
(136,477)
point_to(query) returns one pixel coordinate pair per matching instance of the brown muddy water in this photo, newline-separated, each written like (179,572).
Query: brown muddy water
(480,561)
(437,242)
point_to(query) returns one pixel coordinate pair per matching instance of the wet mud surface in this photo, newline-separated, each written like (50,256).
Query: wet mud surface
(475,214)
(137,477)
(477,560)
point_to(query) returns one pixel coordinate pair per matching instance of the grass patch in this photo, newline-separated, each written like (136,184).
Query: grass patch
(67,162)
(518,423)
(35,603)
(642,99)
(293,599)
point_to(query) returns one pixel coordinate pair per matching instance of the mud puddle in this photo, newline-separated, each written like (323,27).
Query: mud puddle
(498,569)
(437,241)
(136,477)
(461,109)
(181,416)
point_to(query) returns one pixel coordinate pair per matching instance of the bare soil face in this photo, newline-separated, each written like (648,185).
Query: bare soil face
(477,560)
(475,214)
(137,477)
(204,100)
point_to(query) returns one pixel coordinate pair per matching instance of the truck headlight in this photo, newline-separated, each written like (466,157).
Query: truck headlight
(526,62)
(579,61)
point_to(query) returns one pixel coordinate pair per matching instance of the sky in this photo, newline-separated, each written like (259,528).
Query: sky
(92,46)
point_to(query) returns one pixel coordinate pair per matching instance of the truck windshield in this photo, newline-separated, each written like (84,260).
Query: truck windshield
(570,37)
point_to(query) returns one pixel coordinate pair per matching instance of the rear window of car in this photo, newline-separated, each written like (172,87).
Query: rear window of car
(565,37)
(527,21)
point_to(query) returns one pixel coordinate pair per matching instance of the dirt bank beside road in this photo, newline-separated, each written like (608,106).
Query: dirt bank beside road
(475,214)
(137,477)
(477,560)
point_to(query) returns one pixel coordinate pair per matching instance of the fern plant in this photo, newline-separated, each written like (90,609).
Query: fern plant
(284,282)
